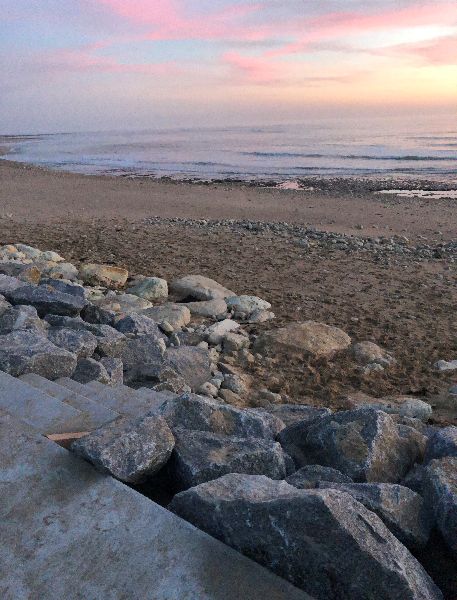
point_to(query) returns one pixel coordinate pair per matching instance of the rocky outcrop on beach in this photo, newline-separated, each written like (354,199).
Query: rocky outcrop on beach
(334,502)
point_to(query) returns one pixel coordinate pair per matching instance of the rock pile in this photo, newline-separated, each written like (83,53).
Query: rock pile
(333,502)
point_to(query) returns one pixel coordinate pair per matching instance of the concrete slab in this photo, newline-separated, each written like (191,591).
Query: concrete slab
(41,411)
(69,532)
(99,413)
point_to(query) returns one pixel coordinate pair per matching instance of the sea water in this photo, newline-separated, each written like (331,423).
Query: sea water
(386,147)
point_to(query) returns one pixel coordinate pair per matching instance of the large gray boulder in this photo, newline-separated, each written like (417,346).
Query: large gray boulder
(308,339)
(365,444)
(214,309)
(82,343)
(199,287)
(323,541)
(142,357)
(308,478)
(131,450)
(401,510)
(442,443)
(149,288)
(440,492)
(191,363)
(88,370)
(67,287)
(137,324)
(200,413)
(9,284)
(110,342)
(201,456)
(47,300)
(29,352)
(20,317)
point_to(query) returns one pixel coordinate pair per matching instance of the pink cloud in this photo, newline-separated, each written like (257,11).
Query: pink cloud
(440,52)
(167,20)
(256,70)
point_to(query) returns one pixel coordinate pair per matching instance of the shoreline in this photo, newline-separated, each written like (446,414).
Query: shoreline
(349,207)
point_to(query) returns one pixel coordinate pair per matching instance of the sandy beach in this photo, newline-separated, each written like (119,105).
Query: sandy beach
(401,301)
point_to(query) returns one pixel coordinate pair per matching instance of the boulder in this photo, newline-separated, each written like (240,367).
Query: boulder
(142,357)
(414,479)
(366,353)
(293,413)
(199,288)
(115,370)
(28,273)
(131,450)
(365,444)
(311,339)
(440,493)
(214,309)
(4,305)
(51,256)
(106,275)
(67,287)
(121,303)
(8,285)
(47,300)
(406,406)
(399,508)
(444,365)
(82,343)
(323,541)
(176,315)
(191,363)
(201,456)
(149,288)
(233,342)
(28,251)
(59,270)
(20,317)
(199,413)
(88,369)
(30,352)
(138,324)
(216,332)
(110,342)
(97,315)
(307,478)
(244,306)
(442,443)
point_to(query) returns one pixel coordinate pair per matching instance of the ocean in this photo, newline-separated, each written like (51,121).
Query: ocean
(421,148)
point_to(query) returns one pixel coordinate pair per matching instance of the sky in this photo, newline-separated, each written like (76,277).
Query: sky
(76,65)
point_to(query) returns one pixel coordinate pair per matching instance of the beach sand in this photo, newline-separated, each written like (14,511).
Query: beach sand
(403,304)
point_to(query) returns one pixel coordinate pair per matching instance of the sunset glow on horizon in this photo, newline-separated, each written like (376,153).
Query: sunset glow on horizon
(85,64)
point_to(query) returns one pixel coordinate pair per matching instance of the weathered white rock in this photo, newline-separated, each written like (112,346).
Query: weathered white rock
(149,288)
(232,342)
(444,365)
(176,315)
(130,450)
(49,255)
(59,270)
(213,309)
(244,306)
(122,303)
(27,251)
(323,541)
(107,275)
(208,389)
(308,338)
(199,288)
(367,353)
(217,331)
